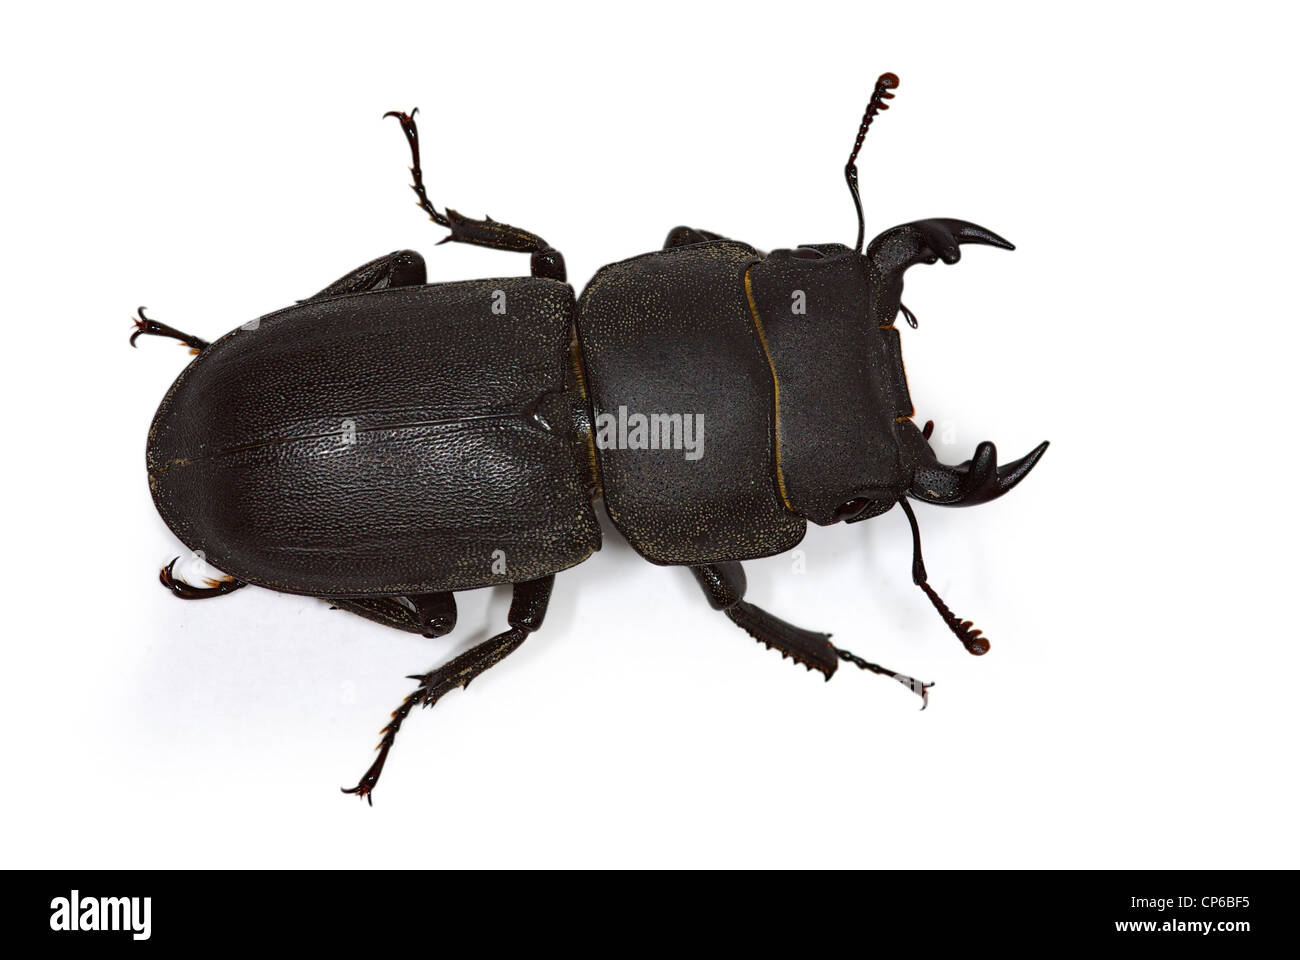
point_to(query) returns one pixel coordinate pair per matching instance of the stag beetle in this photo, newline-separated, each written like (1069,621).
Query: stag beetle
(387,442)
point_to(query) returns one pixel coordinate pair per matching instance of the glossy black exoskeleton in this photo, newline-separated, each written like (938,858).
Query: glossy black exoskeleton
(388,442)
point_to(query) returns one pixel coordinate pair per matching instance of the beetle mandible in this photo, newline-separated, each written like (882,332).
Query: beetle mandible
(387,442)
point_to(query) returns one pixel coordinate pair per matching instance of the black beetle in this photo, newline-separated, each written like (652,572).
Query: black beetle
(388,442)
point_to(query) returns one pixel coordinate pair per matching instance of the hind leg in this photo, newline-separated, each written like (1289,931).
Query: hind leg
(401,268)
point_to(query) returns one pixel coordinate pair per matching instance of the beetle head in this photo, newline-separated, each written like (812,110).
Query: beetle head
(887,258)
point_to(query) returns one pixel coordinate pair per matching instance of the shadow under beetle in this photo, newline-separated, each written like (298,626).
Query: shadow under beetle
(388,442)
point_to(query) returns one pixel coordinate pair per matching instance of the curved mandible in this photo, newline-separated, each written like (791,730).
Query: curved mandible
(977,480)
(921,241)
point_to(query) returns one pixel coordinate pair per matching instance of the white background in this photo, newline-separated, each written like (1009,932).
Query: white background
(1137,708)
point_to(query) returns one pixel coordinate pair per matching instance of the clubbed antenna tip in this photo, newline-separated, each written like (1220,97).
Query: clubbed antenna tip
(884,84)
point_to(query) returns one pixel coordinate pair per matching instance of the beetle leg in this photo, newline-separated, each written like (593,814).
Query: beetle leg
(546,260)
(186,591)
(401,268)
(681,236)
(429,614)
(922,690)
(527,609)
(724,585)
(146,327)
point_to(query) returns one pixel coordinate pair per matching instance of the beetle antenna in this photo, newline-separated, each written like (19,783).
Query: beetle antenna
(885,83)
(972,639)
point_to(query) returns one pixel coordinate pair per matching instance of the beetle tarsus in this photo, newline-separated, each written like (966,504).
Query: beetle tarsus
(922,690)
(187,591)
(146,327)
(407,120)
(457,672)
(493,234)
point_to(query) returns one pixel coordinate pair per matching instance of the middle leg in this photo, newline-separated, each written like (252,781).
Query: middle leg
(683,236)
(401,268)
(493,234)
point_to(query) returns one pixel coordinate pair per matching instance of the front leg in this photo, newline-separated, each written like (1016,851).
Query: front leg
(724,585)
